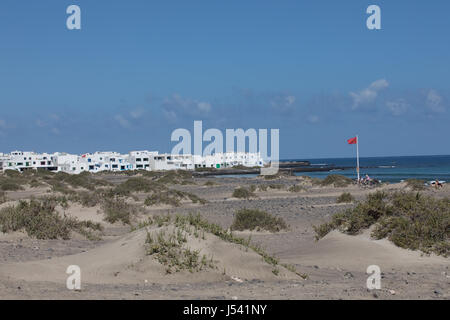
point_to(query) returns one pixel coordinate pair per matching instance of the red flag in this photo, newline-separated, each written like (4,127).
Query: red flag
(352,140)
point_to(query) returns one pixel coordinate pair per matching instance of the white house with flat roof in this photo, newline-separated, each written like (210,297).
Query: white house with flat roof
(140,160)
(114,161)
(21,161)
(171,162)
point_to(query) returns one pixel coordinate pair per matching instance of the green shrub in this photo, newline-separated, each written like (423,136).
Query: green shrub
(3,198)
(35,183)
(170,177)
(170,251)
(171,197)
(409,220)
(40,220)
(415,184)
(84,180)
(250,219)
(63,201)
(242,193)
(176,177)
(14,180)
(296,188)
(345,198)
(279,174)
(8,184)
(336,180)
(117,209)
(61,187)
(263,187)
(42,173)
(12,173)
(192,224)
(88,199)
(323,229)
(136,184)
(276,186)
(164,197)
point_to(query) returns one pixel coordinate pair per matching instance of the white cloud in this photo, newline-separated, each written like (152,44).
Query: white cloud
(379,84)
(290,100)
(136,114)
(368,94)
(313,119)
(54,116)
(397,107)
(2,124)
(176,105)
(40,123)
(282,103)
(435,102)
(171,115)
(204,106)
(122,121)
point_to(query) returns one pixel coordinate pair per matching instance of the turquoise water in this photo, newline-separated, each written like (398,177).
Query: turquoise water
(388,169)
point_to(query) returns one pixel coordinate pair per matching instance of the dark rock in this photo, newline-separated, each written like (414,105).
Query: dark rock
(348,275)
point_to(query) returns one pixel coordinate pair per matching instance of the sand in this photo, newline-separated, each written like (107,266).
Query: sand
(117,266)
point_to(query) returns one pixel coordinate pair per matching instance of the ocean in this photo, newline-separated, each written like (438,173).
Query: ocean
(388,169)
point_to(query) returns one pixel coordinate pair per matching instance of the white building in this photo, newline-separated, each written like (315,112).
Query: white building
(229,159)
(3,160)
(18,160)
(172,162)
(140,160)
(114,161)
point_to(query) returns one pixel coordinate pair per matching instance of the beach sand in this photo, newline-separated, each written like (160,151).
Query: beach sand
(117,267)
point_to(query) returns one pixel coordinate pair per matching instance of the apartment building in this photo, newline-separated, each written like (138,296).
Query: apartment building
(114,161)
(21,161)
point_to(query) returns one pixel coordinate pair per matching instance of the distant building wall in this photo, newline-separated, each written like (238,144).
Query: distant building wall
(114,161)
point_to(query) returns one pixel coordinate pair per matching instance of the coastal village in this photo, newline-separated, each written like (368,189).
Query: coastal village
(114,161)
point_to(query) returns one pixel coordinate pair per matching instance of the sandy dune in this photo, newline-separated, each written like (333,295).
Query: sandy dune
(125,261)
(358,252)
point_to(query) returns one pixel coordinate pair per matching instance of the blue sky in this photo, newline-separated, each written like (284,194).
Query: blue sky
(137,70)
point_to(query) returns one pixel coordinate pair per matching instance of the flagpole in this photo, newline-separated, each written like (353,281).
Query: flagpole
(357,156)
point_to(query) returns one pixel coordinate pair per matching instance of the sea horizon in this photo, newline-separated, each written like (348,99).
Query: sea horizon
(361,157)
(388,168)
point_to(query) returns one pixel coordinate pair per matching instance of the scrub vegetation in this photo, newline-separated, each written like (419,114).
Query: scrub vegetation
(168,247)
(3,197)
(251,219)
(296,188)
(335,180)
(345,197)
(91,190)
(243,193)
(39,219)
(117,209)
(410,220)
(170,250)
(172,197)
(415,184)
